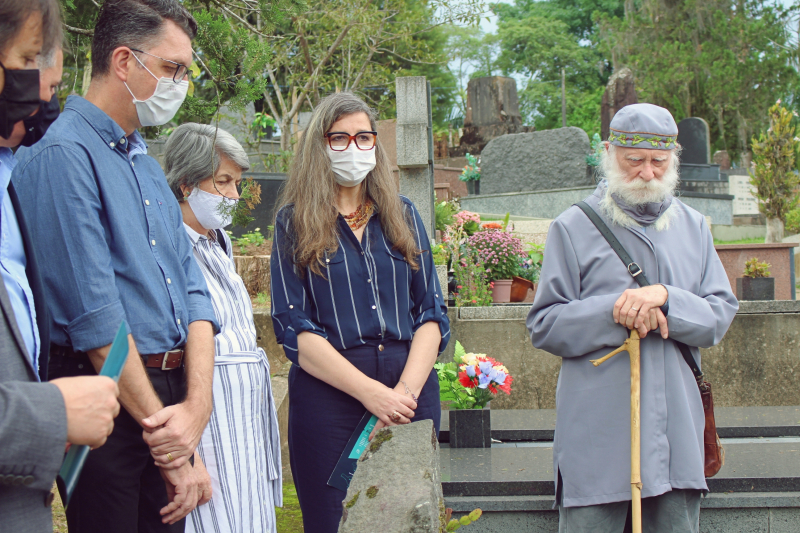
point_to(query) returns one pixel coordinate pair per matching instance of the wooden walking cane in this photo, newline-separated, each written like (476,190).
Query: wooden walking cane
(631,345)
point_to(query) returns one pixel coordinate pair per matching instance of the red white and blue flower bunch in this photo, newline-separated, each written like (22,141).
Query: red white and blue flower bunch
(472,380)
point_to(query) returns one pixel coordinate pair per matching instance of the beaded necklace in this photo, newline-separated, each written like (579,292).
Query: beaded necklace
(360,216)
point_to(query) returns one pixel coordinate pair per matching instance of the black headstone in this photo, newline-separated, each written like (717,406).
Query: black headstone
(264,213)
(693,136)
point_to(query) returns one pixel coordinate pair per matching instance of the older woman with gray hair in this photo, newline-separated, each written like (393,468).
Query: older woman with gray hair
(240,447)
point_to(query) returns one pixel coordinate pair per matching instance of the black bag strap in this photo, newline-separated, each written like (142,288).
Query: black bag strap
(221,240)
(638,274)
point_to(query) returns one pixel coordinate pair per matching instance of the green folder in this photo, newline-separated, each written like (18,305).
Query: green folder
(71,468)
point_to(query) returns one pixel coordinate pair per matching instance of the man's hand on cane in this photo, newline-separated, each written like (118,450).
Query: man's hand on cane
(641,309)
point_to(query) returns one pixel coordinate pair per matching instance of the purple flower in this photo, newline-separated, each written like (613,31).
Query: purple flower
(483,381)
(470,370)
(498,376)
(485,367)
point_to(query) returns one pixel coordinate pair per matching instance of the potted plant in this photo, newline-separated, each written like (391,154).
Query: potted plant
(468,384)
(472,174)
(500,252)
(755,283)
(527,274)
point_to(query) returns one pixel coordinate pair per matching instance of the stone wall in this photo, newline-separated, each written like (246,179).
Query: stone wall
(756,364)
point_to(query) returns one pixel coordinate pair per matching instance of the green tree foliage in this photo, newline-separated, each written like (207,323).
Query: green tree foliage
(471,54)
(538,39)
(287,54)
(774,177)
(726,61)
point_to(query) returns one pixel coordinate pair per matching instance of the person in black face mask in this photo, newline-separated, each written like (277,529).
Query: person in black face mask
(50,72)
(18,99)
(38,418)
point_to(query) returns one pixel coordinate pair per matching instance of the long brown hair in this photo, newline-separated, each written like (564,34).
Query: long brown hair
(312,189)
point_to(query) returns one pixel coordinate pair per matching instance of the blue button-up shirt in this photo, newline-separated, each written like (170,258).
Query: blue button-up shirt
(109,236)
(369,291)
(13,263)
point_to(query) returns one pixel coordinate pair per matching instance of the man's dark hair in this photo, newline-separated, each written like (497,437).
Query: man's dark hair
(134,23)
(14,14)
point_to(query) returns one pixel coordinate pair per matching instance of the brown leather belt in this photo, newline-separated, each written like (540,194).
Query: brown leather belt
(165,361)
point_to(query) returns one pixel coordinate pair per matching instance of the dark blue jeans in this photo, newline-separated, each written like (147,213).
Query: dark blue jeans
(322,419)
(120,488)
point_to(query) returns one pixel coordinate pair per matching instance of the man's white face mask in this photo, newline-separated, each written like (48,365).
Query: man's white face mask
(637,191)
(165,102)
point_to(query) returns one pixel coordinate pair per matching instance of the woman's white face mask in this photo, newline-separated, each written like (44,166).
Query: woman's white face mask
(351,166)
(211,210)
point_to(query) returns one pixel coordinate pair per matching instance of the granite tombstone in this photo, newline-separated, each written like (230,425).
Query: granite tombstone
(397,485)
(542,160)
(693,136)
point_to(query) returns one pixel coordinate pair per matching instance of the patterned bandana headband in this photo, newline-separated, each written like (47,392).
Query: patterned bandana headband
(643,126)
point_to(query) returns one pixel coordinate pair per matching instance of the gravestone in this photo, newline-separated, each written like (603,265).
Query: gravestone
(722,159)
(397,485)
(492,111)
(620,91)
(542,160)
(693,136)
(415,146)
(744,198)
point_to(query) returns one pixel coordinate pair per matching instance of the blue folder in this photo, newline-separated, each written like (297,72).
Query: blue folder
(67,478)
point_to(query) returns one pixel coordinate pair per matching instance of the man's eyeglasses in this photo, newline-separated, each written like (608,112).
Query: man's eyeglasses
(339,141)
(180,69)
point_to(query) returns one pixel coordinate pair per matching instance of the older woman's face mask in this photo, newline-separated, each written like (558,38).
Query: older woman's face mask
(212,211)
(214,200)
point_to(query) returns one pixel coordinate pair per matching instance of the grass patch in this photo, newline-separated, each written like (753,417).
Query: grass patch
(752,240)
(289,518)
(261,300)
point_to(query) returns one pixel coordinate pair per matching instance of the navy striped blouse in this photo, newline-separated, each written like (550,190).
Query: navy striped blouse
(369,293)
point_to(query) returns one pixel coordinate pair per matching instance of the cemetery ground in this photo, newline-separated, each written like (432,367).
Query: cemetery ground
(289,518)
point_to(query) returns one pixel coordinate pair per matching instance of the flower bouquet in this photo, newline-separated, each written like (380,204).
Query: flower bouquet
(468,383)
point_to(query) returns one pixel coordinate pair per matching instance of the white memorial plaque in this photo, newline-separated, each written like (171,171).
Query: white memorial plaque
(744,199)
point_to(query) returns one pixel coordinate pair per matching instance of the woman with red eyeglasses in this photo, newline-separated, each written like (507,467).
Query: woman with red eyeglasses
(356,301)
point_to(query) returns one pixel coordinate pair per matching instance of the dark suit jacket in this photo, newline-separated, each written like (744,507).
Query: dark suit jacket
(33,427)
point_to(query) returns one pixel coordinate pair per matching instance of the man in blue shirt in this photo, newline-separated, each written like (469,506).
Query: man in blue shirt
(36,419)
(109,234)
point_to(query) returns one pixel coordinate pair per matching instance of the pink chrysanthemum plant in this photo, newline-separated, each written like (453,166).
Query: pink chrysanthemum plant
(499,251)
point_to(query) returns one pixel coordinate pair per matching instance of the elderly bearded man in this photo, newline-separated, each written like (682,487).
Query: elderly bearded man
(585,302)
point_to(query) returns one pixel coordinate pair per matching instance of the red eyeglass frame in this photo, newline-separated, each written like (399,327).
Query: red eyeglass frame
(351,139)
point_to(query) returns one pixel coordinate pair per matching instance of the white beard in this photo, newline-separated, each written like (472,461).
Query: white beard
(636,192)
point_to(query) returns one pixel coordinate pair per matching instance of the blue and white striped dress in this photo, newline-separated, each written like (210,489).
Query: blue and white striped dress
(240,446)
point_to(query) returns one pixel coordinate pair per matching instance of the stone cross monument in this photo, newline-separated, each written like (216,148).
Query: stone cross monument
(415,146)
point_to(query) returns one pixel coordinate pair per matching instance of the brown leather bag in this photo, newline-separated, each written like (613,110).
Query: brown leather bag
(713,450)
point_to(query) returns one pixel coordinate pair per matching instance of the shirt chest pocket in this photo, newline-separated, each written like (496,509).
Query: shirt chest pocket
(168,217)
(396,263)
